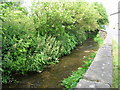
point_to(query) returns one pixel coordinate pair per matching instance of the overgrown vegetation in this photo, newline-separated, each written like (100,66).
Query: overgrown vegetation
(98,39)
(72,80)
(116,67)
(32,40)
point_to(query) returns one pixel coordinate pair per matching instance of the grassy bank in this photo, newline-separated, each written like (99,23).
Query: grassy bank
(116,67)
(72,80)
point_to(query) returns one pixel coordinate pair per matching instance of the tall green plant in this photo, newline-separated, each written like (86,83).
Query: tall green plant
(32,41)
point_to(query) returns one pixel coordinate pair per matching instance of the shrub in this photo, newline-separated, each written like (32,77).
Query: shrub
(102,12)
(73,79)
(36,39)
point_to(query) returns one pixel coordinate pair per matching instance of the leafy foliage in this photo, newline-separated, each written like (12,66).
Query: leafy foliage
(32,40)
(72,80)
(102,12)
(98,39)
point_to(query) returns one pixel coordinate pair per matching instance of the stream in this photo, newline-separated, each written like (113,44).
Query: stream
(52,76)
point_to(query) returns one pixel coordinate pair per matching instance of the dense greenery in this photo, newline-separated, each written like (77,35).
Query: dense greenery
(32,40)
(72,80)
(104,17)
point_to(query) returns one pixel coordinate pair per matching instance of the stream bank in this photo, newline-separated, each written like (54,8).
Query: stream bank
(54,74)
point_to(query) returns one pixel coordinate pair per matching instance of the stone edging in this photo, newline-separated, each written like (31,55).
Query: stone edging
(99,74)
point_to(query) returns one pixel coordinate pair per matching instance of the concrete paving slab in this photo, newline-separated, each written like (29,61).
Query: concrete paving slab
(99,74)
(91,84)
(100,69)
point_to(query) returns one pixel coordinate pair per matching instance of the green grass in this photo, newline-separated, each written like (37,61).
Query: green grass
(116,67)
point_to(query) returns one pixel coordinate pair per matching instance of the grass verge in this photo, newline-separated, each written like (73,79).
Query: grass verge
(116,67)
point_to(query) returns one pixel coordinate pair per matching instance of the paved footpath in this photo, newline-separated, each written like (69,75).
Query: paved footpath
(99,74)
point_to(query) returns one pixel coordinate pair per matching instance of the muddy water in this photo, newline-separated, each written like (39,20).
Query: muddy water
(54,74)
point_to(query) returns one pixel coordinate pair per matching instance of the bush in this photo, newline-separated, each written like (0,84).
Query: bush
(102,12)
(36,39)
